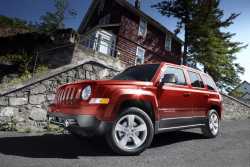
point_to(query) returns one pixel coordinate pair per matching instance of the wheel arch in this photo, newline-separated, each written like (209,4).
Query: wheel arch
(146,106)
(217,108)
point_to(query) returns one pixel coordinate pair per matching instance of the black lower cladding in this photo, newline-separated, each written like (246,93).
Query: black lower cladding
(84,125)
(182,121)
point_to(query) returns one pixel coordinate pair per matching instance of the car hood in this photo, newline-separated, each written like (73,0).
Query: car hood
(111,82)
(115,82)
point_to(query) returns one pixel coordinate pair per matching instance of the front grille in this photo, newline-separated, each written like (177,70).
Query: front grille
(66,95)
(72,93)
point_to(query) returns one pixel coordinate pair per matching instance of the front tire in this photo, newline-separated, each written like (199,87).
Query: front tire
(131,133)
(212,127)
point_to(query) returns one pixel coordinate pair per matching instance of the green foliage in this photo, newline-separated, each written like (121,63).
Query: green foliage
(41,69)
(214,48)
(12,22)
(54,128)
(236,93)
(55,20)
(18,80)
(205,42)
(25,76)
(15,23)
(8,126)
(23,61)
(183,10)
(27,130)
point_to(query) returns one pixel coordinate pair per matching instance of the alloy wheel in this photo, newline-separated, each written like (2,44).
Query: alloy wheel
(214,123)
(130,132)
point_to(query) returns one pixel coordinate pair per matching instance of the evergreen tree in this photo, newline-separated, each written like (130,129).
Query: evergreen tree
(16,23)
(205,41)
(55,20)
(212,47)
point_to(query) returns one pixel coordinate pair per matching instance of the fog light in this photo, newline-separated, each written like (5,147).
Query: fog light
(99,101)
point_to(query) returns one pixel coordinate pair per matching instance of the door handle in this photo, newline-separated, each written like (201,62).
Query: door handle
(186,94)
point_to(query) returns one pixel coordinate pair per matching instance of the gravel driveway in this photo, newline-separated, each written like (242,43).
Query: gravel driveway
(182,148)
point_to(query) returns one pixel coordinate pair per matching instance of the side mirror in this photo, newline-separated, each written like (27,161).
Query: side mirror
(168,78)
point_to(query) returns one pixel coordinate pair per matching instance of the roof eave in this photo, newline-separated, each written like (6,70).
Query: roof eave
(88,15)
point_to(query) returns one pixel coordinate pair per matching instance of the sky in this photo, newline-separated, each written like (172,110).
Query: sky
(31,10)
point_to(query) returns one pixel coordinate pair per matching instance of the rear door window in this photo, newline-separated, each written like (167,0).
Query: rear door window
(195,79)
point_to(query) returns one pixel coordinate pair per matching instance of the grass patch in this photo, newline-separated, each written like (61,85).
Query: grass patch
(54,128)
(40,70)
(8,126)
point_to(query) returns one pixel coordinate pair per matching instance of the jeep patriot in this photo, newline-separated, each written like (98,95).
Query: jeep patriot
(138,103)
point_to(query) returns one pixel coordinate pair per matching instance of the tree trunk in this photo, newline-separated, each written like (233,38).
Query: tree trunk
(205,69)
(184,58)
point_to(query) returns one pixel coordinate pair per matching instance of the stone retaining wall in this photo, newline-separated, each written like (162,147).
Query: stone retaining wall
(235,109)
(26,105)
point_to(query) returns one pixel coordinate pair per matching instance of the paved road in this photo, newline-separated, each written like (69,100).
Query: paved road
(183,148)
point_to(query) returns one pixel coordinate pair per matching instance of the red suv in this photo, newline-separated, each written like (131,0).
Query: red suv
(138,103)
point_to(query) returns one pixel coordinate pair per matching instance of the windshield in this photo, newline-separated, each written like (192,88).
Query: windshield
(138,73)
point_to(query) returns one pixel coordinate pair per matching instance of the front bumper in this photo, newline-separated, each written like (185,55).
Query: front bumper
(84,125)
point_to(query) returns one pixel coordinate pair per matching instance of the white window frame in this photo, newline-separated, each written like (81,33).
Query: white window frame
(143,23)
(110,44)
(138,56)
(168,42)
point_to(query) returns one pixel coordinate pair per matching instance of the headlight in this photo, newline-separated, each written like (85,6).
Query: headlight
(86,93)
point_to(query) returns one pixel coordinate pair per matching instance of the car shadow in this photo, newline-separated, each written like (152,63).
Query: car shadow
(169,138)
(69,147)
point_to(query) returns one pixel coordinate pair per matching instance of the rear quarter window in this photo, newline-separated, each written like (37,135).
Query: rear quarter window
(210,83)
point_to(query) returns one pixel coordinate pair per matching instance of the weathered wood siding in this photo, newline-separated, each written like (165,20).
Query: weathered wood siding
(153,43)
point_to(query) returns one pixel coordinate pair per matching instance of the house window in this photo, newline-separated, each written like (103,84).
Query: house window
(140,52)
(168,42)
(105,42)
(142,28)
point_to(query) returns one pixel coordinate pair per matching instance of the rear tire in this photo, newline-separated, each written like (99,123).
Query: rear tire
(212,127)
(131,133)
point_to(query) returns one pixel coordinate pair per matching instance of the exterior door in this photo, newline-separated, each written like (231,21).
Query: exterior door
(175,103)
(199,95)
